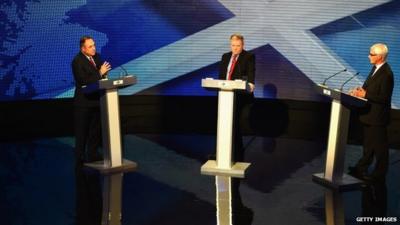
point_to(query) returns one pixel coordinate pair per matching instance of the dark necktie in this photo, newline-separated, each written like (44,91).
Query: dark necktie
(369,75)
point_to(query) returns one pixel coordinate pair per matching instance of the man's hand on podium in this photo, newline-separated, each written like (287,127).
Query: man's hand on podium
(358,92)
(252,87)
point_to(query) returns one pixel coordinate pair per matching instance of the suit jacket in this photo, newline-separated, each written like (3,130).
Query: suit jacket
(244,68)
(379,88)
(85,73)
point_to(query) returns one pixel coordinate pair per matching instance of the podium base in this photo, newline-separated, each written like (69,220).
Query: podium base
(237,170)
(345,184)
(126,166)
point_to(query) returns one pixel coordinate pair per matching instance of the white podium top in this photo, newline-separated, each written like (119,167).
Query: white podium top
(227,85)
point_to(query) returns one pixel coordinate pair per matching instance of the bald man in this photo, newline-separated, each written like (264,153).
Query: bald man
(87,67)
(377,89)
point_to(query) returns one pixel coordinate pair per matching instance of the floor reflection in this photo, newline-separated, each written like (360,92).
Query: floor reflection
(168,188)
(334,210)
(88,197)
(373,205)
(374,201)
(112,199)
(229,205)
(98,197)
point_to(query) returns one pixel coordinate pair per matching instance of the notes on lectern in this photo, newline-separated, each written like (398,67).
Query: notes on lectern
(229,85)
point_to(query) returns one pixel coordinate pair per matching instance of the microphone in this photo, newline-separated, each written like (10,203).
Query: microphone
(341,87)
(344,70)
(126,72)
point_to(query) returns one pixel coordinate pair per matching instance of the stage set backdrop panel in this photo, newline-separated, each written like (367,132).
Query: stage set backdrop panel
(170,45)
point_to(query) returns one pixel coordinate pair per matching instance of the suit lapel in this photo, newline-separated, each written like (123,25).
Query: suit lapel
(377,75)
(88,64)
(373,76)
(97,61)
(239,65)
(378,72)
(228,59)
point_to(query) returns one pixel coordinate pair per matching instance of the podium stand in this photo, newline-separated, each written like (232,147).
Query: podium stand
(113,161)
(338,130)
(226,106)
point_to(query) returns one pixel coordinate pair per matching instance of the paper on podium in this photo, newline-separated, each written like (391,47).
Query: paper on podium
(228,85)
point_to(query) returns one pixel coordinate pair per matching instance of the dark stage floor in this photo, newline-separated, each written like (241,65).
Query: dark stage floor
(40,185)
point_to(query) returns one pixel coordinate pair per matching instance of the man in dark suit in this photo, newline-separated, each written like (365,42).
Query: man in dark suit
(377,89)
(238,64)
(87,68)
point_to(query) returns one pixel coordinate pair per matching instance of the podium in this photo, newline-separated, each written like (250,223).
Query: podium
(223,164)
(337,140)
(110,123)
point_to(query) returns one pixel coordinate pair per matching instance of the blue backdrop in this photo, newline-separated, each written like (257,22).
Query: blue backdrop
(170,45)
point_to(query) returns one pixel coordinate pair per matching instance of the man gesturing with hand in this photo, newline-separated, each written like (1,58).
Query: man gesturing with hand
(87,67)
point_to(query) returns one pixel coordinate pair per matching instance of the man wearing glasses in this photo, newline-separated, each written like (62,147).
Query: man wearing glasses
(377,89)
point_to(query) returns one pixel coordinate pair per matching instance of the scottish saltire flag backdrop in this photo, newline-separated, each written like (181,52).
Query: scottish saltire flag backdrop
(171,44)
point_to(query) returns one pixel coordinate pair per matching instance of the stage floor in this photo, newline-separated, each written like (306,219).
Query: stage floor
(40,185)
